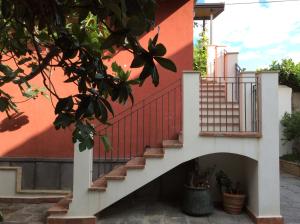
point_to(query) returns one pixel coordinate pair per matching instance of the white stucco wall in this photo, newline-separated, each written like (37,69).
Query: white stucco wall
(284,106)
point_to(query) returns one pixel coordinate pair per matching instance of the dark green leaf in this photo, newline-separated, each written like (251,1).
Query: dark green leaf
(137,62)
(159,50)
(4,102)
(106,143)
(166,63)
(64,104)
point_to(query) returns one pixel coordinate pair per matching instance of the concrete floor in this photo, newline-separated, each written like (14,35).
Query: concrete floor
(153,212)
(141,212)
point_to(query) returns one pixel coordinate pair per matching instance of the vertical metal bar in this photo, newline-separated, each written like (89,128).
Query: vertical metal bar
(34,175)
(168,114)
(175,131)
(143,140)
(232,126)
(150,124)
(137,133)
(245,103)
(220,104)
(213,103)
(130,137)
(251,106)
(156,123)
(112,137)
(60,177)
(226,101)
(124,145)
(118,137)
(207,108)
(162,117)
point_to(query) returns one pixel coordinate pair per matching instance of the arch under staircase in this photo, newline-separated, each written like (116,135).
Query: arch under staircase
(203,133)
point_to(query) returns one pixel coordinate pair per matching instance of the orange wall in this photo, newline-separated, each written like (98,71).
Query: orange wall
(31,134)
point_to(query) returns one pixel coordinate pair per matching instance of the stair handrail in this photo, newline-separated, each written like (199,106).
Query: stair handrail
(139,103)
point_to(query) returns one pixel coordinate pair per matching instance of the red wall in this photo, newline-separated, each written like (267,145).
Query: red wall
(31,134)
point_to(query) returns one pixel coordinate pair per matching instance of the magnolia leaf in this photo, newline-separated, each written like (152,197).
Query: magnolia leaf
(166,63)
(106,143)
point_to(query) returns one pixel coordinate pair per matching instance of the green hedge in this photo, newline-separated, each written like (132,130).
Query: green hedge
(289,73)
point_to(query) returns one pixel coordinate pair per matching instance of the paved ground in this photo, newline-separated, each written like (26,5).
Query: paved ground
(290,198)
(162,213)
(141,212)
(19,213)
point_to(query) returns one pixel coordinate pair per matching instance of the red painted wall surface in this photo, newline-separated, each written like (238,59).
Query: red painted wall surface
(31,133)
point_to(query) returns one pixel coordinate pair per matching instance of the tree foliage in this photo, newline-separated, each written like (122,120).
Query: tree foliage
(200,54)
(289,73)
(78,36)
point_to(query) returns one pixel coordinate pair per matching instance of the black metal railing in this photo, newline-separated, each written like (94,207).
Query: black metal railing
(145,124)
(229,105)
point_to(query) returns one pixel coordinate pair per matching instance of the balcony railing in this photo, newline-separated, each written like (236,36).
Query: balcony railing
(230,105)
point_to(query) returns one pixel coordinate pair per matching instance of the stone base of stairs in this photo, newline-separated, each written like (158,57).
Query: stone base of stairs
(72,220)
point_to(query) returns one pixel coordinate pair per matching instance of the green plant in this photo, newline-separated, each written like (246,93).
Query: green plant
(200,54)
(77,37)
(200,178)
(291,125)
(289,73)
(226,184)
(291,130)
(1,217)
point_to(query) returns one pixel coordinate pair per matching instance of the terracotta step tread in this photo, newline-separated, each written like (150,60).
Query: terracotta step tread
(56,210)
(61,207)
(64,203)
(172,144)
(136,163)
(99,184)
(117,173)
(154,153)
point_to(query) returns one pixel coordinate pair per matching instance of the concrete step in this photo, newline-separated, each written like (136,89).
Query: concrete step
(172,144)
(136,163)
(118,173)
(99,185)
(154,153)
(60,207)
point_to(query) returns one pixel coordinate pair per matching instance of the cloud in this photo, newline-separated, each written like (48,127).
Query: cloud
(267,30)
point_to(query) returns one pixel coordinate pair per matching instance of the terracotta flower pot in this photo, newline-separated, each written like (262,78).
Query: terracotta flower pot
(233,203)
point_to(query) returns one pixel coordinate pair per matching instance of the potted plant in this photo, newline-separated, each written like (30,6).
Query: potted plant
(197,196)
(233,198)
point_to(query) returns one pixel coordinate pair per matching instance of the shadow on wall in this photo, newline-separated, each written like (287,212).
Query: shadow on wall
(35,135)
(14,122)
(58,143)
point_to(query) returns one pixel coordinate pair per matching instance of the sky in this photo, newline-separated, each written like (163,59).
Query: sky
(261,32)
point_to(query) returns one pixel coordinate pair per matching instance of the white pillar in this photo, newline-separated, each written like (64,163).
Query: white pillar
(268,161)
(191,96)
(82,178)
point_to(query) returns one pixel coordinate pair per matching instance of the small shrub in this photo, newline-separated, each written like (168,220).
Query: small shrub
(291,130)
(1,217)
(291,125)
